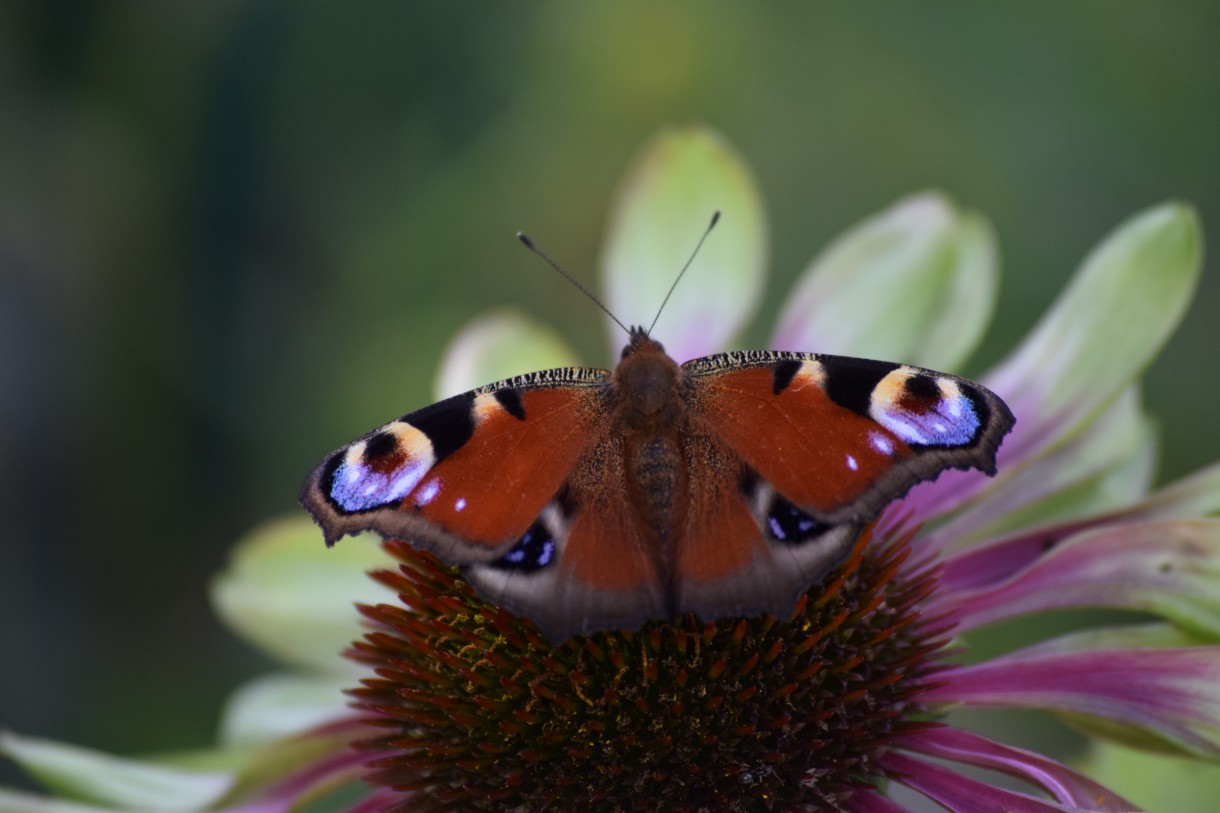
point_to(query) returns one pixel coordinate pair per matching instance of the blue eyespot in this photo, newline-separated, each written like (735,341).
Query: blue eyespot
(533,551)
(788,523)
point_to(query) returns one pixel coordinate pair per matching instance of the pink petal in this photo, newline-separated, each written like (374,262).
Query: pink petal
(1169,568)
(1112,319)
(1082,476)
(958,794)
(1168,693)
(881,290)
(677,180)
(1195,495)
(987,564)
(1062,782)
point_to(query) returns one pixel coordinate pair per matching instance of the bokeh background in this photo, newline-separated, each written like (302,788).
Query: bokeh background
(235,235)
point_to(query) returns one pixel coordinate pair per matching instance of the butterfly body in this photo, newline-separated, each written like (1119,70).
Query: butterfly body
(724,486)
(647,391)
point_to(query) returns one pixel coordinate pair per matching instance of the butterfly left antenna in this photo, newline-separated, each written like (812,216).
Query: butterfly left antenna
(699,245)
(530,245)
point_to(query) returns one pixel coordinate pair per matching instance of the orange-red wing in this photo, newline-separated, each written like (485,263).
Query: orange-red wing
(729,559)
(605,550)
(467,476)
(592,566)
(816,453)
(495,485)
(720,535)
(842,437)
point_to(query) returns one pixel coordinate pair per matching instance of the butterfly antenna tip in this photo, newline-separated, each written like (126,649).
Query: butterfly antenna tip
(691,259)
(528,243)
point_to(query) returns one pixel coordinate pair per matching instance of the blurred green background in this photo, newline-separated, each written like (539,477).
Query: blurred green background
(235,235)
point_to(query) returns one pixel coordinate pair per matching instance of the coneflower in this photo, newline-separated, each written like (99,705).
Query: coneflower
(846,705)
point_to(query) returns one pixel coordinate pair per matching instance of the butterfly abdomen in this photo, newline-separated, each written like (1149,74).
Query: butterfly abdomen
(655,470)
(657,484)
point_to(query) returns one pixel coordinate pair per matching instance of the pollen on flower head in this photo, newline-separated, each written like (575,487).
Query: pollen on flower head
(481,713)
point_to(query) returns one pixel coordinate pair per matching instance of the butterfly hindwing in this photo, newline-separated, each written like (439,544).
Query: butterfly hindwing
(586,564)
(745,549)
(468,476)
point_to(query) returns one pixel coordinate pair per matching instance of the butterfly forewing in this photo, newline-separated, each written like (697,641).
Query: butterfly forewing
(842,437)
(465,477)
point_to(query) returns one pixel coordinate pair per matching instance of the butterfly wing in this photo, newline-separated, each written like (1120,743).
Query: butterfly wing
(822,444)
(466,477)
(843,437)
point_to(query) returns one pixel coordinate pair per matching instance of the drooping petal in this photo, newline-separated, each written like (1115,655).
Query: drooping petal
(17,802)
(127,784)
(666,202)
(1196,495)
(281,580)
(1171,569)
(298,769)
(1193,496)
(1063,783)
(498,345)
(1107,465)
(1110,322)
(1153,635)
(958,794)
(915,283)
(280,705)
(1169,696)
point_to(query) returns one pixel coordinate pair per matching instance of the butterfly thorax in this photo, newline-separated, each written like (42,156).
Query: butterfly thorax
(647,388)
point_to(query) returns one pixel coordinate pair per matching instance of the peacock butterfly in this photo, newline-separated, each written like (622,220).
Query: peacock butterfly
(590,500)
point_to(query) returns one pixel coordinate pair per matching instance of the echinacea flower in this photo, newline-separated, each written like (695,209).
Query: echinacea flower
(853,702)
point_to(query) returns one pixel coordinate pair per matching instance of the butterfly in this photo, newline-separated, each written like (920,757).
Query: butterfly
(725,486)
(592,500)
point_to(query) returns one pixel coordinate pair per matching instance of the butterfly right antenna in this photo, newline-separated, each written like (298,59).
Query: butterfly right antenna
(699,245)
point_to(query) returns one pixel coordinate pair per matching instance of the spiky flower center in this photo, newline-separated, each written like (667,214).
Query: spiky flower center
(481,713)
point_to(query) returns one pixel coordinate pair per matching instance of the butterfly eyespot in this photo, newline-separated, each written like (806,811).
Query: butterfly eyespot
(788,523)
(533,551)
(922,389)
(379,446)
